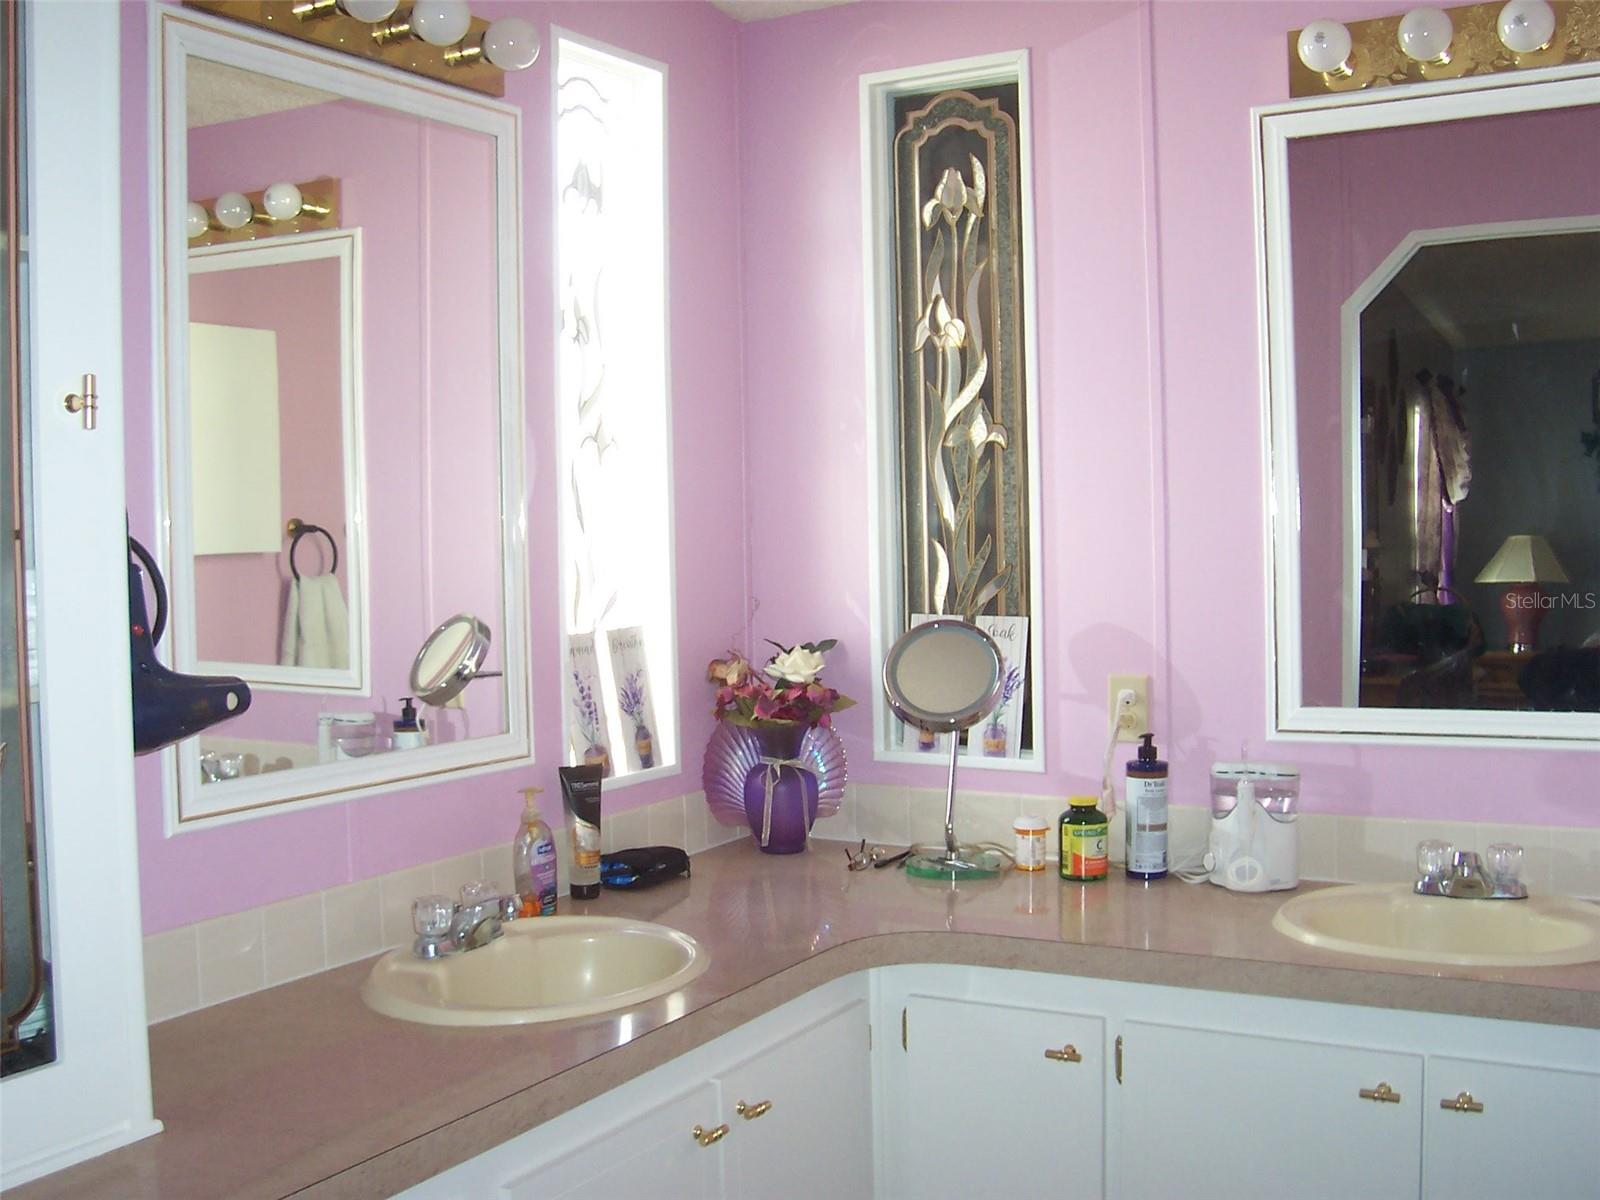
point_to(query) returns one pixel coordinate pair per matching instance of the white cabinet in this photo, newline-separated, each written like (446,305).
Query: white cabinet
(799,1113)
(677,1133)
(651,1152)
(1531,1131)
(996,1099)
(1211,1112)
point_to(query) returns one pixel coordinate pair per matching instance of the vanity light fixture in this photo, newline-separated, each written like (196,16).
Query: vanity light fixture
(1425,34)
(1526,26)
(1442,43)
(248,216)
(1324,47)
(440,39)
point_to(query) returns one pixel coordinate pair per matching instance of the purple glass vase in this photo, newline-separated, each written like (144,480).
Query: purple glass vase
(782,824)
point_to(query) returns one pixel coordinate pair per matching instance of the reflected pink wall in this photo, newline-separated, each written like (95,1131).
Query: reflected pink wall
(1353,198)
(206,873)
(239,598)
(1148,384)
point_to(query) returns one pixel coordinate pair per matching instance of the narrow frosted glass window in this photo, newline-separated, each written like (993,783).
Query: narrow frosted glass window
(620,678)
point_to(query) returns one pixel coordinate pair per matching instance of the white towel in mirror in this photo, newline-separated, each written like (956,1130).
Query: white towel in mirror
(316,627)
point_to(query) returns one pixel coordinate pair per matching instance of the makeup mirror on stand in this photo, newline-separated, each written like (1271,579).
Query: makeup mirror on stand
(945,676)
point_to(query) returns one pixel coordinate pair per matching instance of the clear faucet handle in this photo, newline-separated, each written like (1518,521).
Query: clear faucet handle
(431,916)
(1434,857)
(479,891)
(1505,864)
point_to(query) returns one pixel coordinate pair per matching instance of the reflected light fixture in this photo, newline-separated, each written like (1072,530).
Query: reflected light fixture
(1425,35)
(1526,26)
(279,209)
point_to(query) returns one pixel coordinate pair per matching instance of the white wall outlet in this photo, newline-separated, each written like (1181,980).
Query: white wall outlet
(1131,719)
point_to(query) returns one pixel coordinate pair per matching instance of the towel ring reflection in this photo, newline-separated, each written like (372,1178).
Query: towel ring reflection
(298,529)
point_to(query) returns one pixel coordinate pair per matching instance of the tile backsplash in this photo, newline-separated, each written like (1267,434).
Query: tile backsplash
(206,963)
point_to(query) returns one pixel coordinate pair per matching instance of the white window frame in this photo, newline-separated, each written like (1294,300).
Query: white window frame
(878,93)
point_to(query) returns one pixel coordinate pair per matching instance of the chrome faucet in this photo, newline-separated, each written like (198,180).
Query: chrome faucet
(1460,874)
(445,927)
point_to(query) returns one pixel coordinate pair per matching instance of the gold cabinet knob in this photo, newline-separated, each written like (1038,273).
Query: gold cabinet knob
(1383,1094)
(1463,1103)
(710,1137)
(1068,1053)
(751,1111)
(85,401)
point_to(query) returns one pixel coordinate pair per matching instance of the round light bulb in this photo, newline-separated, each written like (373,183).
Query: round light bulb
(1526,25)
(282,201)
(441,22)
(511,43)
(370,11)
(195,221)
(1324,46)
(1425,35)
(233,210)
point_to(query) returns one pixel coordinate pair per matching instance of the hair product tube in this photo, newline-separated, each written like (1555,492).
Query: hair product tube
(580,796)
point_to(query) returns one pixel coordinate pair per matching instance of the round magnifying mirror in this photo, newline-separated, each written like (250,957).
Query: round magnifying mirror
(451,658)
(943,676)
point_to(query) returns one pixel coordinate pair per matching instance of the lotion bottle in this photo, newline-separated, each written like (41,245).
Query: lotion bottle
(409,731)
(1145,811)
(533,860)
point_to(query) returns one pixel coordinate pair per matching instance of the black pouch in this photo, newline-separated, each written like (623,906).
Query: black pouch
(644,866)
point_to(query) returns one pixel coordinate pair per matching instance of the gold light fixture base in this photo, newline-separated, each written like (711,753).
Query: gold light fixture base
(1376,59)
(319,209)
(322,24)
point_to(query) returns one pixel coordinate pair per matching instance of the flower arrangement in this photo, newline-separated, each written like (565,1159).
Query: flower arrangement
(787,691)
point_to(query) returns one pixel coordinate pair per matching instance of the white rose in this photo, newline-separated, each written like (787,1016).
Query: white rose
(796,666)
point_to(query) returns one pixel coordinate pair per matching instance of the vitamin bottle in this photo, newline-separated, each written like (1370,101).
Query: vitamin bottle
(1084,835)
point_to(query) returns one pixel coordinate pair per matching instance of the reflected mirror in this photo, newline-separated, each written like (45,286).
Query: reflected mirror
(1433,282)
(451,658)
(342,417)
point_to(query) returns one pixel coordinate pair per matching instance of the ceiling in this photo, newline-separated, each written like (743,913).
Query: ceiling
(1504,291)
(218,93)
(764,10)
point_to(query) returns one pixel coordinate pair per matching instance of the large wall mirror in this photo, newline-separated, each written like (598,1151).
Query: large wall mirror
(340,418)
(1432,288)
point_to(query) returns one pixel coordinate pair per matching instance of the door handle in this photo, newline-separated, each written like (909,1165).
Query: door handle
(1463,1103)
(1383,1094)
(87,402)
(710,1137)
(751,1111)
(1068,1053)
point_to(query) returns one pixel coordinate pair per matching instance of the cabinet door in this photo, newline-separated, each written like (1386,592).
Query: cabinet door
(979,1110)
(1537,1134)
(815,1136)
(1209,1113)
(650,1153)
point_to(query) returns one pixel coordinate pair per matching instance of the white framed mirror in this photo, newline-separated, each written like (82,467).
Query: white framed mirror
(275,476)
(400,491)
(1429,274)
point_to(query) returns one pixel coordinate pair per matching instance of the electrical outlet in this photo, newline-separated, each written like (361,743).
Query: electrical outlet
(1135,719)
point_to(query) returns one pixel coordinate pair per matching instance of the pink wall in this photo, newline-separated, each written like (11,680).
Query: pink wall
(239,598)
(1148,383)
(209,872)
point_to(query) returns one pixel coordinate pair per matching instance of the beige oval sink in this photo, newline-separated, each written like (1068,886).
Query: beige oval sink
(1389,920)
(542,969)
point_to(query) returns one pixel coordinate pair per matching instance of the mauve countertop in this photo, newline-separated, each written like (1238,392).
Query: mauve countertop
(302,1090)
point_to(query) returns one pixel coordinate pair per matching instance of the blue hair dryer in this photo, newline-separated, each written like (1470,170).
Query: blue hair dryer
(167,706)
